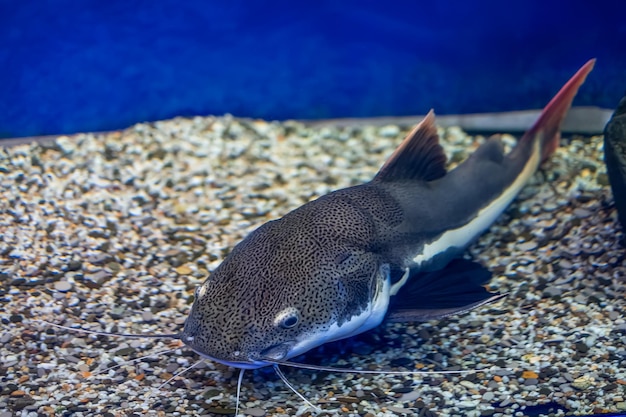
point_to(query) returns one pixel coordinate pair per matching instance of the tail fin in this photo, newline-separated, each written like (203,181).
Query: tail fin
(549,123)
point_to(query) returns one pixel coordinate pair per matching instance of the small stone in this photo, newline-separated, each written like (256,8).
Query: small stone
(581,347)
(400,410)
(74,266)
(389,131)
(96,279)
(552,292)
(184,270)
(467,384)
(488,396)
(255,412)
(466,404)
(99,258)
(62,286)
(527,246)
(565,264)
(117,312)
(114,267)
(125,351)
(407,397)
(400,362)
(220,410)
(506,402)
(424,334)
(346,399)
(172,367)
(581,213)
(530,375)
(583,382)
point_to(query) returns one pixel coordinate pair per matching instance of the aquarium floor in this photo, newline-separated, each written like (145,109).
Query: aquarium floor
(113,232)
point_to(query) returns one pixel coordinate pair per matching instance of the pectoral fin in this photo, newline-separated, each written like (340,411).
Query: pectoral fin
(455,289)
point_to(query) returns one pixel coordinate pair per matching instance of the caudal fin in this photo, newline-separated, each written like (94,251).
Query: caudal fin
(548,126)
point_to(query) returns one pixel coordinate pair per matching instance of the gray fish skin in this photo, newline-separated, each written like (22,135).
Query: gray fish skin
(323,271)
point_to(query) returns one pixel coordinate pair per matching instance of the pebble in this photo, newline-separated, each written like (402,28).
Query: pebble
(553,291)
(467,404)
(400,410)
(527,246)
(406,397)
(467,384)
(96,279)
(581,347)
(62,286)
(389,131)
(583,382)
(184,270)
(488,396)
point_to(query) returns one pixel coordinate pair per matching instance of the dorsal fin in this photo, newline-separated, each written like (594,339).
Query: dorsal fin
(419,156)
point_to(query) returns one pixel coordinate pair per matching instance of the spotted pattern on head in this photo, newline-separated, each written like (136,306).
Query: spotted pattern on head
(303,264)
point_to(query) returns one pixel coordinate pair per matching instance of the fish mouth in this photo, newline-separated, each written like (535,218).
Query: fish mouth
(276,352)
(243,364)
(266,357)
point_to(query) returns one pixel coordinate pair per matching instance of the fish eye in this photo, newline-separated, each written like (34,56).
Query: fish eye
(289,322)
(287,318)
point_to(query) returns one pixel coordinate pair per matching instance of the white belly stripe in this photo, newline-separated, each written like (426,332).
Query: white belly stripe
(462,236)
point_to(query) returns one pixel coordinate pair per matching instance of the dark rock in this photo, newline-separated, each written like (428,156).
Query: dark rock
(401,362)
(96,279)
(581,347)
(16,318)
(18,404)
(615,158)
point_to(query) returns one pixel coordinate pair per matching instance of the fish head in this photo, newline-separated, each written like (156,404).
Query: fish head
(279,295)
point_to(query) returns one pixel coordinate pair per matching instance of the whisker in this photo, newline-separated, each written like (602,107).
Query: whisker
(176,375)
(131,361)
(366,371)
(100,333)
(241,371)
(292,388)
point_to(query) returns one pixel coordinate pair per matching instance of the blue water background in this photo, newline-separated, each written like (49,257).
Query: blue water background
(69,65)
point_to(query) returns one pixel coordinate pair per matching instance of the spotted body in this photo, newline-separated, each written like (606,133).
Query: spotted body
(333,267)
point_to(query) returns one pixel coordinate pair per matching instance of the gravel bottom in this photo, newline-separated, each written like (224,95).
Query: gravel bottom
(114,232)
